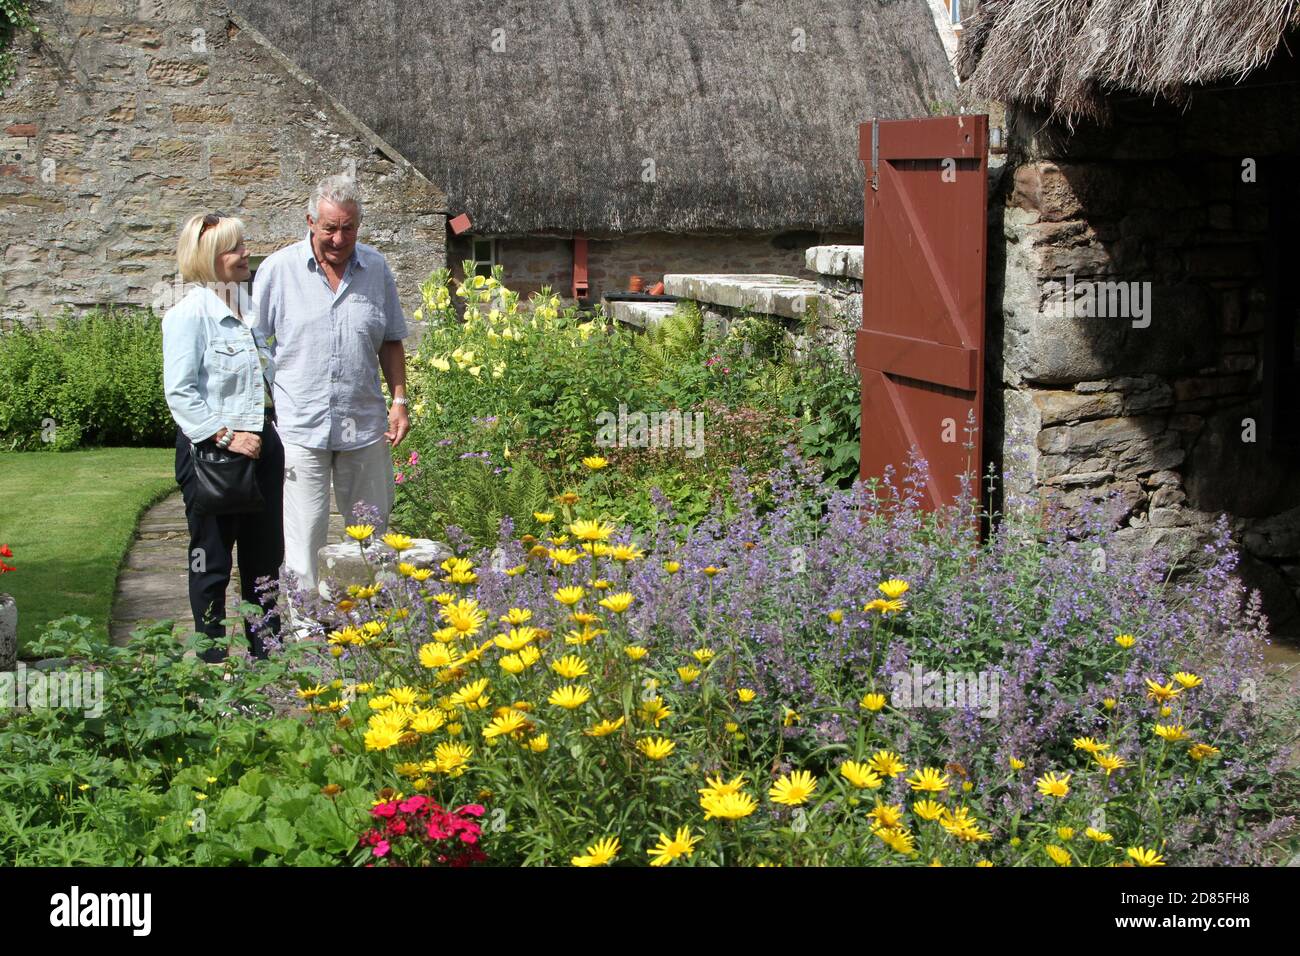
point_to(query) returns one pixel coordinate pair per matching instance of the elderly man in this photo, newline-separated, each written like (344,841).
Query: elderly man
(329,307)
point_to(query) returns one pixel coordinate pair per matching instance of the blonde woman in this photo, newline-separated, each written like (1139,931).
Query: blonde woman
(217,374)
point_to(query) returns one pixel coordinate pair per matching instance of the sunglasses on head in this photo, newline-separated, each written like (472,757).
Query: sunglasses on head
(210,220)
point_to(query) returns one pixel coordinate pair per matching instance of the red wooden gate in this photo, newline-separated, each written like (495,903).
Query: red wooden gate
(921,346)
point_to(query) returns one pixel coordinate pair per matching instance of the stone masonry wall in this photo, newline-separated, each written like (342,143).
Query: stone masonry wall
(533,261)
(1155,419)
(130,115)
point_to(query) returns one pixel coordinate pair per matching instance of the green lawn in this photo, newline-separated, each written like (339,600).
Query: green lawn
(69,517)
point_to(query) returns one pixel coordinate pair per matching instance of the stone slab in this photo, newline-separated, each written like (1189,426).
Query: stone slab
(784,296)
(841,261)
(642,315)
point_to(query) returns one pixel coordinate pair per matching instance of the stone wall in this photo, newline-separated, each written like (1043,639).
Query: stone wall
(1165,416)
(130,115)
(533,261)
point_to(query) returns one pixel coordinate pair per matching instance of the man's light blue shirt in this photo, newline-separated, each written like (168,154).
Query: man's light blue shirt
(326,344)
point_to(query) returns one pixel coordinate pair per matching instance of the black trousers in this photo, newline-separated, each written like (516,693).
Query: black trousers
(257,537)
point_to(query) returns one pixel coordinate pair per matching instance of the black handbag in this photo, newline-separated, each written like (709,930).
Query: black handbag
(225,482)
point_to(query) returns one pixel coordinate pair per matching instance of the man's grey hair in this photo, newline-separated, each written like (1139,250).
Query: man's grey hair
(339,189)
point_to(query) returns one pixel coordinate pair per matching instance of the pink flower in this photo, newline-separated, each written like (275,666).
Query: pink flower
(384,810)
(381,849)
(413,803)
(473,809)
(399,477)
(414,459)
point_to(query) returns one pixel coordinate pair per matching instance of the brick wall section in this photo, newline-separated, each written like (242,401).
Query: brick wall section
(1155,415)
(132,115)
(533,261)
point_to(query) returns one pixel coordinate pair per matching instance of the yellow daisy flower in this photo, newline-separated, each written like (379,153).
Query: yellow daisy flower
(617,603)
(599,853)
(929,809)
(656,748)
(860,775)
(570,666)
(893,589)
(1201,751)
(929,779)
(793,789)
(1110,762)
(604,728)
(569,595)
(570,696)
(592,530)
(1059,854)
(1144,857)
(1051,785)
(887,763)
(667,850)
(728,806)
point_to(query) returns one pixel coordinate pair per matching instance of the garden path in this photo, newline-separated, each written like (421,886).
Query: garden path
(152,583)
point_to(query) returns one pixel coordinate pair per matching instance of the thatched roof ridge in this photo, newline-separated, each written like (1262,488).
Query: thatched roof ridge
(1064,56)
(555,133)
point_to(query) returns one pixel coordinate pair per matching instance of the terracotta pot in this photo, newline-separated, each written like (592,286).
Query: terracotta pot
(657,289)
(635,284)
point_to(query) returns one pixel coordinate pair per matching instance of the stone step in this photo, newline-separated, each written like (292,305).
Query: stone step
(784,296)
(643,315)
(839,261)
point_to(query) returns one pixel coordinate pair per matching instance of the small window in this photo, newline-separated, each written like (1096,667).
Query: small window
(485,256)
(954,8)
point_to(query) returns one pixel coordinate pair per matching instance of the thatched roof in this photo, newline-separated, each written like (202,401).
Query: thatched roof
(555,133)
(1064,56)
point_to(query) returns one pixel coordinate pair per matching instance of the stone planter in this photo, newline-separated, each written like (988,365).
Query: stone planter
(8,633)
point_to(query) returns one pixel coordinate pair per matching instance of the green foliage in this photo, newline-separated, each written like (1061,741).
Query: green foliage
(827,400)
(184,764)
(89,380)
(472,494)
(541,383)
(15,16)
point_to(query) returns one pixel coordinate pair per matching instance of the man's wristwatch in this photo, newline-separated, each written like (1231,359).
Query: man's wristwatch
(401,401)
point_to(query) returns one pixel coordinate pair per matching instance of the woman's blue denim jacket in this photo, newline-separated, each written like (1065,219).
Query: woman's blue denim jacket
(211,373)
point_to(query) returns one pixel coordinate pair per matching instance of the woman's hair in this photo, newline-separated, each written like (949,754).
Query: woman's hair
(196,256)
